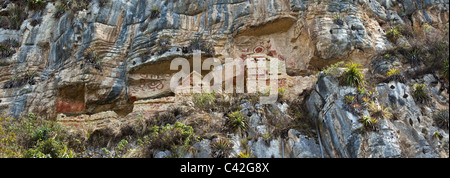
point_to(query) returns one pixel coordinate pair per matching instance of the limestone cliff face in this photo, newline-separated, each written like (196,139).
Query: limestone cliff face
(109,60)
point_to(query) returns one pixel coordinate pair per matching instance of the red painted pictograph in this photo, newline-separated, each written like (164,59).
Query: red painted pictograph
(259,49)
(68,106)
(264,47)
(281,57)
(272,53)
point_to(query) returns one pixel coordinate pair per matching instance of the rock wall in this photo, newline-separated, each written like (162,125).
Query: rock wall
(408,134)
(135,40)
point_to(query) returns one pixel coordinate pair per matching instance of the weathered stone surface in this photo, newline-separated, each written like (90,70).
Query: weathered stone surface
(203,149)
(131,71)
(344,136)
(301,146)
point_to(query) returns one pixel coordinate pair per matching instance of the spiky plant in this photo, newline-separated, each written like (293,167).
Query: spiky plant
(60,10)
(369,122)
(349,99)
(414,56)
(393,34)
(91,56)
(333,70)
(246,154)
(420,93)
(6,51)
(378,111)
(103,2)
(353,75)
(221,148)
(155,12)
(237,122)
(338,20)
(437,135)
(394,74)
(16,17)
(441,119)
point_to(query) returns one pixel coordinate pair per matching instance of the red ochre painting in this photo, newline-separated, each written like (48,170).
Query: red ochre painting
(68,106)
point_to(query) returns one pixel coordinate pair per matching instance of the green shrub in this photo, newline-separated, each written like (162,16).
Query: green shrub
(31,137)
(171,136)
(353,75)
(36,4)
(202,45)
(420,93)
(427,28)
(281,91)
(14,18)
(333,70)
(393,34)
(9,147)
(163,44)
(41,133)
(60,10)
(414,56)
(91,57)
(17,16)
(102,3)
(122,146)
(49,148)
(204,101)
(6,51)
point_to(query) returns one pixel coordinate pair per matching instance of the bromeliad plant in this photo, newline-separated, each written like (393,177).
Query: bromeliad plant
(394,74)
(378,111)
(60,10)
(91,56)
(441,118)
(155,12)
(420,93)
(246,154)
(353,75)
(437,135)
(369,122)
(349,99)
(237,122)
(221,148)
(338,20)
(393,34)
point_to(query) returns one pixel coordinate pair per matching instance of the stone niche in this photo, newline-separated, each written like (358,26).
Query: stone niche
(71,99)
(291,46)
(143,86)
(150,81)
